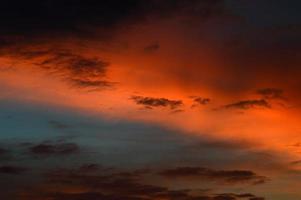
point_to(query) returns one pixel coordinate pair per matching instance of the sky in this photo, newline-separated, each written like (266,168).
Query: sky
(150,100)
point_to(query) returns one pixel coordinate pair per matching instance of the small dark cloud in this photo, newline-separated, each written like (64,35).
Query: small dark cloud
(248,104)
(79,83)
(150,102)
(234,196)
(257,198)
(228,176)
(246,195)
(271,93)
(8,169)
(46,149)
(151,48)
(199,101)
(225,145)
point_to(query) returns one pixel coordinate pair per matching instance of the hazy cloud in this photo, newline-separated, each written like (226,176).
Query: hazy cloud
(271,93)
(47,149)
(228,176)
(248,104)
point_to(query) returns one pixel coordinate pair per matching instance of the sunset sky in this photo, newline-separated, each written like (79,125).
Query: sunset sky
(150,100)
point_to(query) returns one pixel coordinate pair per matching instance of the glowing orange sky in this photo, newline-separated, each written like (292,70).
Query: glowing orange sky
(180,69)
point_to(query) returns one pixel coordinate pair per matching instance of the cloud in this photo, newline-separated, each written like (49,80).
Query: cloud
(227,176)
(78,83)
(111,185)
(47,149)
(271,93)
(80,71)
(151,102)
(225,145)
(233,196)
(248,104)
(8,169)
(200,101)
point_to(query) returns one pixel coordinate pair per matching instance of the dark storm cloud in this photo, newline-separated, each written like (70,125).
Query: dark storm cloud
(228,176)
(248,104)
(47,149)
(9,169)
(271,93)
(151,102)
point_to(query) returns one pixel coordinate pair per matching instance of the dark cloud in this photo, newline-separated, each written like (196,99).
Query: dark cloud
(36,17)
(76,65)
(156,102)
(97,84)
(78,18)
(228,176)
(232,196)
(257,198)
(111,185)
(47,149)
(248,104)
(92,196)
(8,169)
(271,93)
(225,145)
(199,101)
(78,70)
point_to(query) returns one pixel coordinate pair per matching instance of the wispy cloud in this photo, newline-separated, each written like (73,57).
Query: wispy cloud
(151,102)
(227,176)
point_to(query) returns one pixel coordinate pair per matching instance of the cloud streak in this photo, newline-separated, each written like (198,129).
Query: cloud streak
(151,102)
(227,176)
